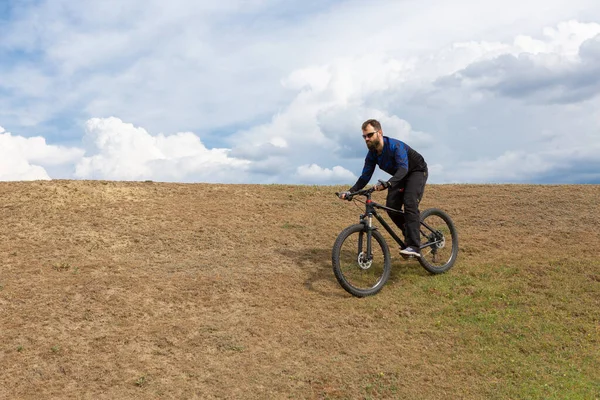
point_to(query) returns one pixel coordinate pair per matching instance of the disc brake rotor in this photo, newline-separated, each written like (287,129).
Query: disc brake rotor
(442,242)
(363,263)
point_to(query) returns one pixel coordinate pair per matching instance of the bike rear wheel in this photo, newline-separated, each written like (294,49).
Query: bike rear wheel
(439,241)
(358,273)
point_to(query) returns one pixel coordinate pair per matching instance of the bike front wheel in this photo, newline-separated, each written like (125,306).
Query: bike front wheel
(358,272)
(439,241)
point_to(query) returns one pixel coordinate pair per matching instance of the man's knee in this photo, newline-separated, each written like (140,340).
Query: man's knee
(411,205)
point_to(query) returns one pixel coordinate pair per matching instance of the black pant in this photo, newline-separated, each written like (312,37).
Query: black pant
(408,192)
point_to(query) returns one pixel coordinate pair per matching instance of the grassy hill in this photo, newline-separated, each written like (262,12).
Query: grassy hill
(113,290)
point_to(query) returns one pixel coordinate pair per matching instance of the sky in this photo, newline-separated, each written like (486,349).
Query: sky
(275,91)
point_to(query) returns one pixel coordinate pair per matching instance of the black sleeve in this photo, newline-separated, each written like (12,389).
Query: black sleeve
(400,173)
(360,183)
(367,173)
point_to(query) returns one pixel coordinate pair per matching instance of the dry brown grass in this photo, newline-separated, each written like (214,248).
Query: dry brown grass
(145,290)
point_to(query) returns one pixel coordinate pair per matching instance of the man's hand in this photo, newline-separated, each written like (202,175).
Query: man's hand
(381,185)
(344,195)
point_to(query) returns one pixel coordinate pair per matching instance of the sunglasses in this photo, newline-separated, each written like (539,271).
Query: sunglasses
(369,135)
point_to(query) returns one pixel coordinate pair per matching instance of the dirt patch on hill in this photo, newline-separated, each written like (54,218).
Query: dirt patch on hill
(149,290)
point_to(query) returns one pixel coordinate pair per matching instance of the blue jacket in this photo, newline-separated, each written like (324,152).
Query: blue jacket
(397,159)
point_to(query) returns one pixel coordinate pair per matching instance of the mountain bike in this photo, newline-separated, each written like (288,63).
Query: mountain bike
(361,257)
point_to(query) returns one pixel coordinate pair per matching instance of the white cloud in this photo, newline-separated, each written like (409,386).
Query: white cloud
(119,151)
(324,118)
(549,165)
(553,64)
(313,78)
(26,158)
(317,175)
(564,40)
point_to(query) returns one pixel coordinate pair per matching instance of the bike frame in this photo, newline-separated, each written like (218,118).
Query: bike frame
(371,211)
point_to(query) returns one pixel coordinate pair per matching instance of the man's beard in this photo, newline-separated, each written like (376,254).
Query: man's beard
(372,145)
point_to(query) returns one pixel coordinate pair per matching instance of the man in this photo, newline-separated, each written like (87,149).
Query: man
(406,186)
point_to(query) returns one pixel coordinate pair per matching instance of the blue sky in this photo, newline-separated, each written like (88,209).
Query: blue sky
(272,91)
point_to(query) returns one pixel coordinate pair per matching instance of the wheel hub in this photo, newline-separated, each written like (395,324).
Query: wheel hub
(442,242)
(363,262)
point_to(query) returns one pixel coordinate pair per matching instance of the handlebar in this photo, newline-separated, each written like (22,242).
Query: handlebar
(350,195)
(364,192)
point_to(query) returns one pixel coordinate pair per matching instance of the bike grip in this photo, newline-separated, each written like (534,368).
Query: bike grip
(384,184)
(339,195)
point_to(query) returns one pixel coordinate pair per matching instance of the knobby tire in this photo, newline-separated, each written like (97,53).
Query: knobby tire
(365,281)
(438,260)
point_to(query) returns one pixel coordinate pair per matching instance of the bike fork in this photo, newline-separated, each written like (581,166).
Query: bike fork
(368,225)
